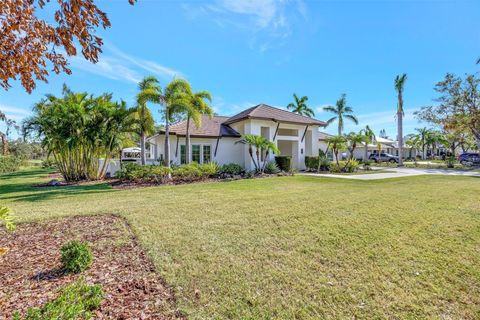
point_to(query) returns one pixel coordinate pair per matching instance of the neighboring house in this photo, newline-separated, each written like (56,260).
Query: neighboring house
(218,137)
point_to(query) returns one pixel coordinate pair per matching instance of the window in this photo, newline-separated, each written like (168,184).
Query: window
(207,153)
(196,153)
(183,156)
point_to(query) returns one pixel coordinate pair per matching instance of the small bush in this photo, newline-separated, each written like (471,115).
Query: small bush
(9,164)
(311,163)
(137,173)
(450,162)
(49,164)
(76,301)
(283,162)
(344,166)
(271,168)
(209,169)
(195,171)
(76,256)
(232,168)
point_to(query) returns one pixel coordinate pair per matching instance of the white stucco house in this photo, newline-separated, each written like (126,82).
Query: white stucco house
(217,138)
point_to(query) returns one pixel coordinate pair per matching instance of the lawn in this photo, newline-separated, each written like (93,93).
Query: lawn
(294,247)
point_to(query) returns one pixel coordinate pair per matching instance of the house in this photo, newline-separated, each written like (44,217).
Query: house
(217,139)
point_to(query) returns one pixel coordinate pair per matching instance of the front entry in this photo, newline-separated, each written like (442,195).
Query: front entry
(289,148)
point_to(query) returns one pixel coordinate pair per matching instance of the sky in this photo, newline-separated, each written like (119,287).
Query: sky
(247,52)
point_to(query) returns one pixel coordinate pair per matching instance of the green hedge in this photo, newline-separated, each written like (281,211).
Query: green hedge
(284,162)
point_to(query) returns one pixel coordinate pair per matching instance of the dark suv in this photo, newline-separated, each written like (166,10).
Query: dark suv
(469,159)
(383,157)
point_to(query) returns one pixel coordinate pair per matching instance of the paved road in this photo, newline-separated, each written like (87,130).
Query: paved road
(398,173)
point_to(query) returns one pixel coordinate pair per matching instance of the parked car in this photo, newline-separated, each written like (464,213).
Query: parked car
(469,159)
(383,157)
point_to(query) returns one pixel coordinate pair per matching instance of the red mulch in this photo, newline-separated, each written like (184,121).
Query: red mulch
(30,273)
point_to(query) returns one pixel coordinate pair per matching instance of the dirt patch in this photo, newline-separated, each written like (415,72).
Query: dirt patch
(31,275)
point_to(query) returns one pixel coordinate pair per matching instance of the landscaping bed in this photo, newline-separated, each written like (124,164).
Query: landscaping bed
(32,274)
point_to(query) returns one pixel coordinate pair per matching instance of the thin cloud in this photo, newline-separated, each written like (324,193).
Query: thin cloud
(117,65)
(269,22)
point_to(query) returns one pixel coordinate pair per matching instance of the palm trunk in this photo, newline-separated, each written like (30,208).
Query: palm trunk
(267,153)
(188,156)
(167,140)
(142,147)
(365,155)
(400,138)
(258,159)
(250,151)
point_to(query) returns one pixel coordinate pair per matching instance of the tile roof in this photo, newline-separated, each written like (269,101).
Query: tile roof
(211,127)
(263,111)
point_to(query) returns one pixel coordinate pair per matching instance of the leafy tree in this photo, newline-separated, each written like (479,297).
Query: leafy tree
(399,87)
(337,143)
(459,105)
(300,106)
(143,116)
(30,40)
(79,129)
(341,112)
(369,139)
(422,139)
(413,143)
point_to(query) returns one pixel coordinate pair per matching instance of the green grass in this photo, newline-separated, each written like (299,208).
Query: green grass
(295,247)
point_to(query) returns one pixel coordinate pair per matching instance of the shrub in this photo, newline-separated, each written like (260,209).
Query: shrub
(195,171)
(271,168)
(311,163)
(209,169)
(6,218)
(367,165)
(450,162)
(10,164)
(76,301)
(283,162)
(232,168)
(49,164)
(344,166)
(76,256)
(138,173)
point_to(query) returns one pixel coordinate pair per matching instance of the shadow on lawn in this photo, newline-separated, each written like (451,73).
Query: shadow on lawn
(19,186)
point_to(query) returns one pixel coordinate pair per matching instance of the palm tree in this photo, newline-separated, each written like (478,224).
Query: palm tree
(268,146)
(399,86)
(144,117)
(341,112)
(300,106)
(198,106)
(336,143)
(370,138)
(354,139)
(257,142)
(421,136)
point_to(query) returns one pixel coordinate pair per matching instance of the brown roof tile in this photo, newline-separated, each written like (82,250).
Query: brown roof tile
(211,127)
(263,111)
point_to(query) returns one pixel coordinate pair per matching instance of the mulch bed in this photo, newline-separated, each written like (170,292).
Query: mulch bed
(31,275)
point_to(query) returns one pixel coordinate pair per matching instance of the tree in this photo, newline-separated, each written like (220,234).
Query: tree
(399,87)
(421,138)
(369,139)
(413,143)
(143,115)
(260,144)
(4,136)
(195,109)
(79,129)
(337,143)
(383,134)
(300,106)
(31,42)
(341,112)
(354,139)
(459,105)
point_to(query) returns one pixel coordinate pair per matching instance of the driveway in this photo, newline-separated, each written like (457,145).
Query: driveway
(397,173)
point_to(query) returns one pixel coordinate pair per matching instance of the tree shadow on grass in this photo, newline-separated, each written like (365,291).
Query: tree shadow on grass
(19,186)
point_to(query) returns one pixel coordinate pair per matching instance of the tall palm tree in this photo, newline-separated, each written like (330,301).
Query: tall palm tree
(370,138)
(399,86)
(199,105)
(143,114)
(300,106)
(341,112)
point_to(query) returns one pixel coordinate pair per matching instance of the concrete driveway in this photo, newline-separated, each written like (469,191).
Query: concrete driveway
(397,173)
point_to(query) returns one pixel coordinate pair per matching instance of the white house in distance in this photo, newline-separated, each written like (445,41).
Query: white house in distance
(217,138)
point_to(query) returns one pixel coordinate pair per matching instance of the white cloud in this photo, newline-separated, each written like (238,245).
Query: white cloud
(117,65)
(268,21)
(14,110)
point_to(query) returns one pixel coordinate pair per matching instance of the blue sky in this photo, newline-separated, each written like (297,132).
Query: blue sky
(247,52)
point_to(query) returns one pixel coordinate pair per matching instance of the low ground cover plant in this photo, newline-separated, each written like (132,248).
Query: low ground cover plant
(76,256)
(76,301)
